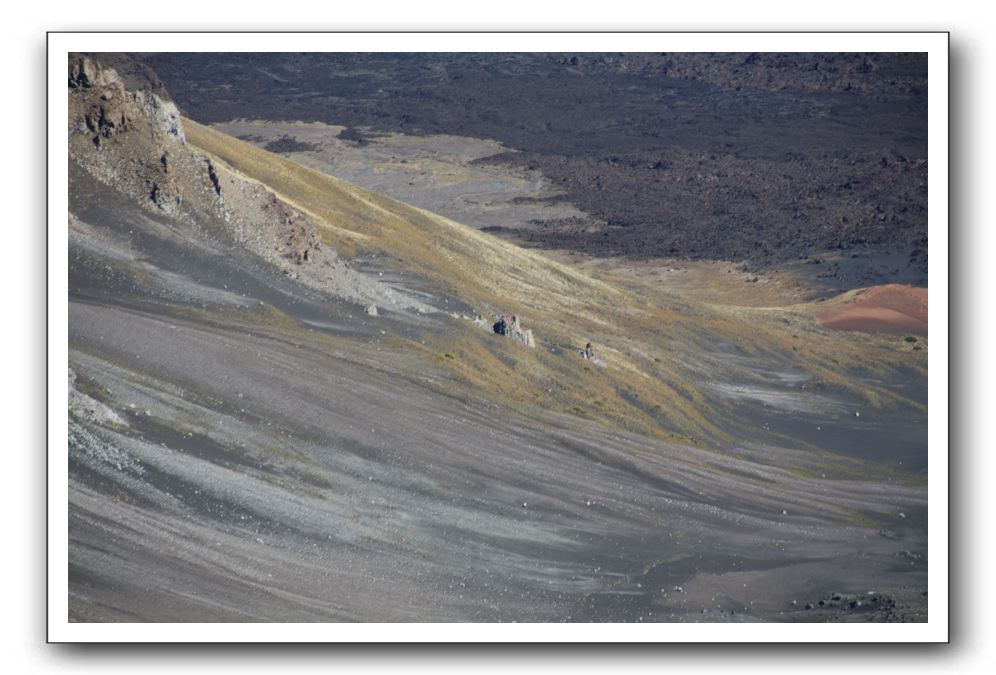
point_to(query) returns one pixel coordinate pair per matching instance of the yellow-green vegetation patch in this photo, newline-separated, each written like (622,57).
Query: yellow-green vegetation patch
(649,338)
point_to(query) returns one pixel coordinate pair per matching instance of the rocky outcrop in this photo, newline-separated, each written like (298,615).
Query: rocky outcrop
(509,326)
(589,353)
(134,141)
(213,177)
(135,75)
(103,111)
(298,240)
(85,73)
(163,114)
(99,99)
(100,104)
(163,197)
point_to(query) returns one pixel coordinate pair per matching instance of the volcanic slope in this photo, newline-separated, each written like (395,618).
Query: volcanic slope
(656,349)
(247,443)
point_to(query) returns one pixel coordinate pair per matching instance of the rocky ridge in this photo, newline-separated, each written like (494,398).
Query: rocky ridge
(134,141)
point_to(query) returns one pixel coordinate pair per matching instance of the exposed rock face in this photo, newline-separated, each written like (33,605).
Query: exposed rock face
(135,75)
(134,142)
(509,326)
(83,72)
(299,241)
(163,113)
(164,197)
(105,107)
(102,111)
(212,176)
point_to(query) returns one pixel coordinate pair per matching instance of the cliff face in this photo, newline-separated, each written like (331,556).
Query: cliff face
(133,141)
(102,105)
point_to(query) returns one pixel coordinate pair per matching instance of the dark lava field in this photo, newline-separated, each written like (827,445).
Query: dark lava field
(763,158)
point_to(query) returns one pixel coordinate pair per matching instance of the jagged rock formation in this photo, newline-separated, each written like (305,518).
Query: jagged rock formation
(83,73)
(135,75)
(102,112)
(509,326)
(134,142)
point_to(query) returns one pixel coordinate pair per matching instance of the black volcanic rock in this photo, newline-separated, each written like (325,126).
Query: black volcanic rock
(758,157)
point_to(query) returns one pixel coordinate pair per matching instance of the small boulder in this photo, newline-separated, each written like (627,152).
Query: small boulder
(509,326)
(589,353)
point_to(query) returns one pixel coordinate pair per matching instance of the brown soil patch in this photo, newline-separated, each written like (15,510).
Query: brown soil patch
(891,308)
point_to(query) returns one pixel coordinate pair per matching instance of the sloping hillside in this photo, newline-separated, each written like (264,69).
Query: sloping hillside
(656,347)
(281,409)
